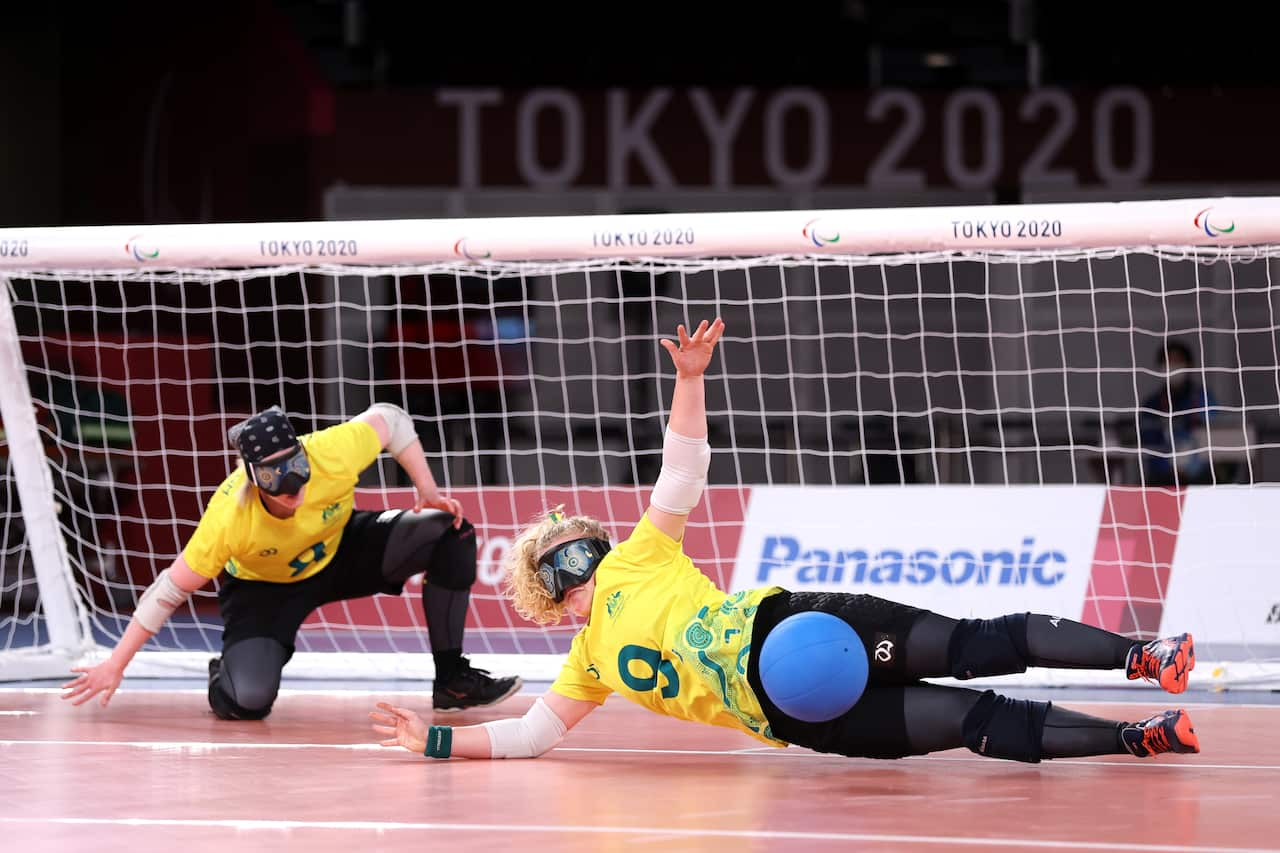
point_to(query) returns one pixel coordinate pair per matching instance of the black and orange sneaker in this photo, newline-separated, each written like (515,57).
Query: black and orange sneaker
(1170,731)
(1167,661)
(472,688)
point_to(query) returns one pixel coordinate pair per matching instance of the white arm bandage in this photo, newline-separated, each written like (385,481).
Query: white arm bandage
(528,736)
(158,602)
(684,474)
(399,424)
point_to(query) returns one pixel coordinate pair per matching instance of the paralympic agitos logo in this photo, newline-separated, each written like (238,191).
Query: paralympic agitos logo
(1213,229)
(818,235)
(462,250)
(140,250)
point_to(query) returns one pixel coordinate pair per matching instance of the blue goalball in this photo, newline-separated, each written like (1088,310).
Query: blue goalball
(813,666)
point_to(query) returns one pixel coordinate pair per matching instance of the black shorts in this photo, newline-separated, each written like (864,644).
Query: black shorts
(876,726)
(277,610)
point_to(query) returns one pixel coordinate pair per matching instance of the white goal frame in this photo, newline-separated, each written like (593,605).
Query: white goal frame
(1194,226)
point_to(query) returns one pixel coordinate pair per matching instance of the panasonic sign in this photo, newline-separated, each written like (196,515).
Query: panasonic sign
(957,550)
(785,559)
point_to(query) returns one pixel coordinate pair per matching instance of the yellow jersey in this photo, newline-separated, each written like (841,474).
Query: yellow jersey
(252,544)
(661,634)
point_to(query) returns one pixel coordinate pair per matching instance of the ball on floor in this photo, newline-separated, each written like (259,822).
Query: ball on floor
(813,666)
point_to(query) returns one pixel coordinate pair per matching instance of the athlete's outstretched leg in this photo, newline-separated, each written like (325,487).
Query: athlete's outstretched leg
(969,648)
(939,717)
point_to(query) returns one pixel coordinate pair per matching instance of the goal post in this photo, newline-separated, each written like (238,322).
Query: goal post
(956,407)
(67,626)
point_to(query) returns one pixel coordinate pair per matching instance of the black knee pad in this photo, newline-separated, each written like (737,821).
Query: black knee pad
(1000,727)
(453,562)
(226,708)
(989,647)
(243,683)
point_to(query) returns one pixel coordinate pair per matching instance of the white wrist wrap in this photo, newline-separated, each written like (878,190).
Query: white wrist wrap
(399,424)
(158,602)
(684,473)
(528,736)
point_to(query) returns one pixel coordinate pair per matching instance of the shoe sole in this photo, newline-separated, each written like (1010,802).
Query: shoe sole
(515,688)
(1186,733)
(1174,678)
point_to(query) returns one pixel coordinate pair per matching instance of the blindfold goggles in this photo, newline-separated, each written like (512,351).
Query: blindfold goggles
(284,476)
(570,564)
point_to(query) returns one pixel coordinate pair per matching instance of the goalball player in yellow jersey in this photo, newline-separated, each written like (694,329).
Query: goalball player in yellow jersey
(661,634)
(284,528)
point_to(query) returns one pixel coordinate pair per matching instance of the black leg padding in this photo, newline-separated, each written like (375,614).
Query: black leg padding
(1000,727)
(981,647)
(453,563)
(243,683)
(226,708)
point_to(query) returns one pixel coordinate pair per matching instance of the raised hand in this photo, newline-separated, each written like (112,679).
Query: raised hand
(430,497)
(402,726)
(693,353)
(103,678)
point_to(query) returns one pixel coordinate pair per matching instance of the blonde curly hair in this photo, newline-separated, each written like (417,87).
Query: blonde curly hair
(521,584)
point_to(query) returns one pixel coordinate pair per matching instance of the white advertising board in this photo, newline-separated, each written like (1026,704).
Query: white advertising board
(962,552)
(1225,583)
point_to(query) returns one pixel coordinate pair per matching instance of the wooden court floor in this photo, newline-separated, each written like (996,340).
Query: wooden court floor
(156,771)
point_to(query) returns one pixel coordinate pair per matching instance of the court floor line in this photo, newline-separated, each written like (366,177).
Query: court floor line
(665,831)
(766,752)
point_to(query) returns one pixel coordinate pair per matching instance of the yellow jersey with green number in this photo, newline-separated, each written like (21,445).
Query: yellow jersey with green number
(252,544)
(661,634)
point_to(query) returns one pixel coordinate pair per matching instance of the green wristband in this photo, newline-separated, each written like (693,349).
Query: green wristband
(439,742)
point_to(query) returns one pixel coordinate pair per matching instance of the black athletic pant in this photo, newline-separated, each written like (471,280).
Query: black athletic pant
(898,714)
(379,551)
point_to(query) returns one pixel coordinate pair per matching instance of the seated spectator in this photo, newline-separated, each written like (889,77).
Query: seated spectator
(1172,423)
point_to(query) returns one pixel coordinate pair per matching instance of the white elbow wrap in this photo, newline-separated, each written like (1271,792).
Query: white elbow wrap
(528,736)
(158,602)
(684,473)
(399,424)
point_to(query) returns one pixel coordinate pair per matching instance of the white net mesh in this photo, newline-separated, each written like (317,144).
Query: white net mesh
(538,384)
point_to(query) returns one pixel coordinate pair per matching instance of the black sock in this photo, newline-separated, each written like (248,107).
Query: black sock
(1063,644)
(1069,734)
(448,662)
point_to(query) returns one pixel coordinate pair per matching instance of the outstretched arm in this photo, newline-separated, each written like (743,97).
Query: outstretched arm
(685,453)
(395,430)
(541,728)
(171,589)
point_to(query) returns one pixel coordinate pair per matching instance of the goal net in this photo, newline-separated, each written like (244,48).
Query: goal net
(1068,409)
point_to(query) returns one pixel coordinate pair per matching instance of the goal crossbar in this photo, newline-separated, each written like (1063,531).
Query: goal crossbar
(1204,222)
